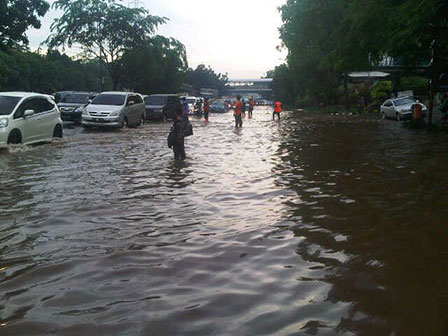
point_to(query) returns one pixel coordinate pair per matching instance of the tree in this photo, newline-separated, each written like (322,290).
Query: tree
(103,29)
(205,77)
(158,66)
(15,18)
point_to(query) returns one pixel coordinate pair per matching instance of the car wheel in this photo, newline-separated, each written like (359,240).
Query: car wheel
(124,123)
(15,137)
(398,116)
(57,132)
(142,120)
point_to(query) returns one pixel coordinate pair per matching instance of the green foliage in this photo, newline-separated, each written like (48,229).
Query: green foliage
(156,67)
(381,90)
(29,71)
(418,85)
(104,29)
(205,77)
(327,38)
(16,17)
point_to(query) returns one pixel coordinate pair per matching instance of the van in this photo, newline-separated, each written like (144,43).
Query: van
(114,110)
(162,106)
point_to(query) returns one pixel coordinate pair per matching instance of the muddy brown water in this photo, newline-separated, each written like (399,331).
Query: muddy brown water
(317,225)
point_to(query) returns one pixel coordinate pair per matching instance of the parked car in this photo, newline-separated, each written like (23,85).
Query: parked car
(27,118)
(161,106)
(399,108)
(114,110)
(71,105)
(218,107)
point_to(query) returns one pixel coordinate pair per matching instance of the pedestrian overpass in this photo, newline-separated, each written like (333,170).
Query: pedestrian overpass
(257,88)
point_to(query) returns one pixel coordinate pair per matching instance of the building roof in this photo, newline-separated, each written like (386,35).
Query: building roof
(373,74)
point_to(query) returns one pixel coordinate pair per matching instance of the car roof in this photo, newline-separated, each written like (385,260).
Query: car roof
(117,92)
(163,95)
(20,94)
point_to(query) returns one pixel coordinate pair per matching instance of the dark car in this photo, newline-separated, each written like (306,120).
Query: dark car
(161,106)
(71,105)
(218,107)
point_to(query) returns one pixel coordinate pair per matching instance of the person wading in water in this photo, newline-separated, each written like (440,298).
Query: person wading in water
(176,138)
(206,109)
(277,110)
(251,106)
(237,112)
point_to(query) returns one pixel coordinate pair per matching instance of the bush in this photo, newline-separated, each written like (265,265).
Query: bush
(418,85)
(381,90)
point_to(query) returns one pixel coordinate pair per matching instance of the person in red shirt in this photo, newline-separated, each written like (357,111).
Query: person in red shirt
(237,112)
(277,110)
(206,109)
(251,106)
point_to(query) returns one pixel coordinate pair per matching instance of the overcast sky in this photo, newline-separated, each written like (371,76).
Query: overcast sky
(238,37)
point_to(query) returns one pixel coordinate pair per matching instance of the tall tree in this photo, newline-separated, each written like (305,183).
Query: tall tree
(205,77)
(158,66)
(103,29)
(16,16)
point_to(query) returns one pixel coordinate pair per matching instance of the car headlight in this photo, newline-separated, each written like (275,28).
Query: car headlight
(4,122)
(158,111)
(114,114)
(78,110)
(84,112)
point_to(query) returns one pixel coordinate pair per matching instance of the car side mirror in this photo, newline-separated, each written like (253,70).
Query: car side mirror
(89,101)
(131,103)
(28,113)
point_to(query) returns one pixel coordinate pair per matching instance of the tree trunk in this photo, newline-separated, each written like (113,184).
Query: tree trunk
(431,101)
(345,92)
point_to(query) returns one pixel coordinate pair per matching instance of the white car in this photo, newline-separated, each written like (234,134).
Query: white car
(27,118)
(399,108)
(114,110)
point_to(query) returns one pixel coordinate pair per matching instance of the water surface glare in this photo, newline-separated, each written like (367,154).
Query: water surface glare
(315,225)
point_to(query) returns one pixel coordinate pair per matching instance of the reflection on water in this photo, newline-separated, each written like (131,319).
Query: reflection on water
(316,225)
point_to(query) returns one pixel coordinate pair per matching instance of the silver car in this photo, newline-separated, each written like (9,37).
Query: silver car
(114,110)
(399,108)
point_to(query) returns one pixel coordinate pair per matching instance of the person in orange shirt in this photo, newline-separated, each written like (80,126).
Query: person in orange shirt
(251,106)
(237,112)
(277,110)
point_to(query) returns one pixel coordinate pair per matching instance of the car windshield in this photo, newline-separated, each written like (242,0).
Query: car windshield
(109,99)
(7,104)
(76,99)
(155,100)
(404,101)
(191,100)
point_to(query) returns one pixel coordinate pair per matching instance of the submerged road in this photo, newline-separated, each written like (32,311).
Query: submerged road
(317,225)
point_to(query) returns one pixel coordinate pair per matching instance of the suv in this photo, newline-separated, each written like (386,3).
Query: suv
(162,106)
(114,110)
(71,105)
(27,118)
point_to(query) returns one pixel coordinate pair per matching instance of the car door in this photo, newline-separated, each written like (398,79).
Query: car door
(387,108)
(48,113)
(31,126)
(139,108)
(128,109)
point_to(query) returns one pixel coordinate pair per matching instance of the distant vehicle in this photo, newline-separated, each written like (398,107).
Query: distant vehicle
(71,105)
(58,96)
(114,110)
(192,102)
(161,106)
(399,108)
(218,107)
(27,118)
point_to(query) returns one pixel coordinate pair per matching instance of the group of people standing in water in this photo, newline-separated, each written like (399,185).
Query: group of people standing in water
(182,127)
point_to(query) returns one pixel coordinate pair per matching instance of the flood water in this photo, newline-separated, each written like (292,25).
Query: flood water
(317,225)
